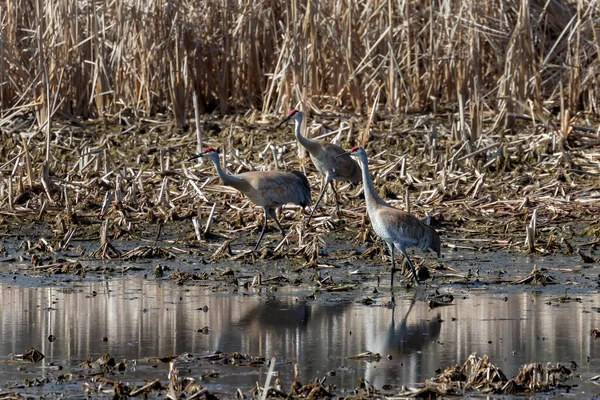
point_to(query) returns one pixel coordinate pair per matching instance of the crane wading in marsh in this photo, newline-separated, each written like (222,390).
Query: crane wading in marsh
(268,189)
(329,159)
(397,228)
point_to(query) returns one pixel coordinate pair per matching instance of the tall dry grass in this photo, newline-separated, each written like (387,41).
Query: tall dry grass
(92,58)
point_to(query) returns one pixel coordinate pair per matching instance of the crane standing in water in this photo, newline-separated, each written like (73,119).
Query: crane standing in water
(397,228)
(329,159)
(268,189)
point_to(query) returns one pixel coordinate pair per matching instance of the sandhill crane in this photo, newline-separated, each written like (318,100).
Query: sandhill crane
(397,228)
(329,159)
(268,189)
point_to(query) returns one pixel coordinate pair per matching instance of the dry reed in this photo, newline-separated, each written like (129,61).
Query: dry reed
(84,58)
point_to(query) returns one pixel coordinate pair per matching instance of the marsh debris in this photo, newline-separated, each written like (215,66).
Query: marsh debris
(536,277)
(585,258)
(148,252)
(439,299)
(101,365)
(31,355)
(175,388)
(479,375)
(534,378)
(223,252)
(181,276)
(72,268)
(567,299)
(204,330)
(367,301)
(366,356)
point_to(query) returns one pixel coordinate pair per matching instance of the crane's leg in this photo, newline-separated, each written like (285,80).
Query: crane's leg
(273,215)
(391,247)
(318,200)
(262,232)
(410,264)
(335,196)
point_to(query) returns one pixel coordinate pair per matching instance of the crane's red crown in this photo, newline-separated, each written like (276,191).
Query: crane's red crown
(293,112)
(355,148)
(208,150)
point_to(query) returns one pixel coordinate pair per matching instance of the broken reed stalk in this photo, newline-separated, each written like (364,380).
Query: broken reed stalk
(283,241)
(268,380)
(45,179)
(531,230)
(275,159)
(10,193)
(104,236)
(196,223)
(43,112)
(158,232)
(108,198)
(478,185)
(28,164)
(146,387)
(197,115)
(367,131)
(64,244)
(106,249)
(118,192)
(301,151)
(42,209)
(210,219)
(68,207)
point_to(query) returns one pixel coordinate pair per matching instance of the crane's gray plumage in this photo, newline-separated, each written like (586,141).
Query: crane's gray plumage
(329,159)
(397,228)
(267,189)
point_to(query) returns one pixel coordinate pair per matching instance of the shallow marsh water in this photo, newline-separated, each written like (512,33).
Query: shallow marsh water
(144,318)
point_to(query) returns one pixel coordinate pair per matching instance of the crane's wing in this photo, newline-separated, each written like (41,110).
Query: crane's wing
(304,189)
(345,167)
(405,229)
(271,189)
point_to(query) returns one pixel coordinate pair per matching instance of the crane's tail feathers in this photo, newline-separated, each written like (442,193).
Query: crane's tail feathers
(305,200)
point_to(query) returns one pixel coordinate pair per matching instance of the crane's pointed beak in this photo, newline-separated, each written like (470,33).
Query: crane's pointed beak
(285,120)
(196,156)
(348,153)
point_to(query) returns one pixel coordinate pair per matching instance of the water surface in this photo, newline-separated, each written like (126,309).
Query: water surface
(145,318)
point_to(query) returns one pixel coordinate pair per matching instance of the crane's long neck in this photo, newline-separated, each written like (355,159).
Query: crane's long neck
(228,179)
(308,144)
(371,196)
